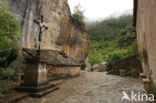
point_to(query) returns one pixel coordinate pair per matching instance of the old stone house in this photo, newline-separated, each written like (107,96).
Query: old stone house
(99,67)
(145,22)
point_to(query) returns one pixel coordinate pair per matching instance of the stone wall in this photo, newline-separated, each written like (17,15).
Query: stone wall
(127,63)
(146,34)
(63,70)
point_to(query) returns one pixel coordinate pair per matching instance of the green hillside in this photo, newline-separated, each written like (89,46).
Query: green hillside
(112,39)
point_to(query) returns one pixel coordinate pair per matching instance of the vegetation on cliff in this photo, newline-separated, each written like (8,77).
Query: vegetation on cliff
(112,39)
(78,16)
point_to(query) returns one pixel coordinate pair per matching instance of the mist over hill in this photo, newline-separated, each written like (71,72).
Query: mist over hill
(114,15)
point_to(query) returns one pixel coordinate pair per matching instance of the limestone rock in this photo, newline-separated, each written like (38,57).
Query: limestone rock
(63,34)
(55,58)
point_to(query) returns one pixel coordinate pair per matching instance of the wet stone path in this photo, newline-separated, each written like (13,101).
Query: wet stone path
(92,87)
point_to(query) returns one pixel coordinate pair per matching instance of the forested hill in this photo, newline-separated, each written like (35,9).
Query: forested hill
(112,39)
(107,29)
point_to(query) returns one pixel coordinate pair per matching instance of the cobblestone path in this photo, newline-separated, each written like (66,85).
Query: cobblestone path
(92,87)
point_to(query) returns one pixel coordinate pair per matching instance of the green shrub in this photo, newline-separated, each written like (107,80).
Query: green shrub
(114,57)
(133,48)
(122,72)
(135,72)
(22,59)
(10,34)
(78,15)
(8,74)
(126,37)
(7,56)
(152,89)
(7,71)
(129,29)
(3,88)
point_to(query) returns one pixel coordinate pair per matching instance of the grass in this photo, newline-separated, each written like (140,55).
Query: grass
(134,72)
(122,72)
(152,89)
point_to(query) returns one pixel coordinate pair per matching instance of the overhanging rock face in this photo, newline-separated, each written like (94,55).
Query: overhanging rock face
(63,34)
(53,57)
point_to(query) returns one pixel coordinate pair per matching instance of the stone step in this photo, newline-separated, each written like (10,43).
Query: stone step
(145,80)
(43,93)
(19,97)
(14,97)
(38,91)
(34,89)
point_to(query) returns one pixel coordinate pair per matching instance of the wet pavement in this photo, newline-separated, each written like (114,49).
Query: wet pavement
(92,87)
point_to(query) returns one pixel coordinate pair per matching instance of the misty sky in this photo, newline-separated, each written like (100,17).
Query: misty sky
(96,9)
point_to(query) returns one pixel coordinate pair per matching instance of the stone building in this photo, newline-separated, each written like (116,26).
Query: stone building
(99,67)
(65,42)
(145,22)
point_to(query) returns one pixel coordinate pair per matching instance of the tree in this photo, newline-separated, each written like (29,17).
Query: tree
(10,33)
(78,15)
(109,28)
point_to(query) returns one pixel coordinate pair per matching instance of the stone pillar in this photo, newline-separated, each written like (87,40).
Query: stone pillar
(35,73)
(35,78)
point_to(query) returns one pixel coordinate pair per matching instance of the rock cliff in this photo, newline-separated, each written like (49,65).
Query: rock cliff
(63,34)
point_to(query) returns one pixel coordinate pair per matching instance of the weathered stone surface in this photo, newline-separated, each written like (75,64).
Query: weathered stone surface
(54,57)
(63,33)
(58,63)
(146,34)
(35,73)
(63,70)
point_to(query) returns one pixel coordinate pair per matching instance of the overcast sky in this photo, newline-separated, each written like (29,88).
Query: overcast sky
(95,9)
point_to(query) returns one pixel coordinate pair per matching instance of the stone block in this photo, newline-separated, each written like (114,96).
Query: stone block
(64,70)
(35,79)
